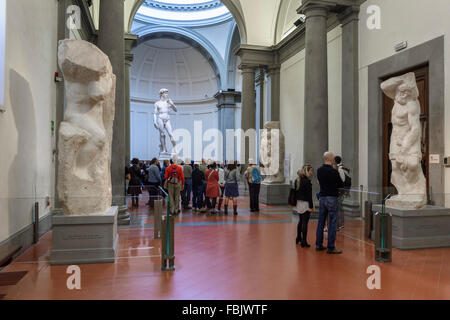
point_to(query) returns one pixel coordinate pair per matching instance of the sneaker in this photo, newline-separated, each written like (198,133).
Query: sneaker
(321,248)
(334,251)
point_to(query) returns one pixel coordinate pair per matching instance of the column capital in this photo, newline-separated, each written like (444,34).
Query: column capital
(246,67)
(350,14)
(130,42)
(314,8)
(274,69)
(227,99)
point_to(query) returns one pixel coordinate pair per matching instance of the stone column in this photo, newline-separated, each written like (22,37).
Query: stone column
(350,101)
(248,119)
(274,72)
(130,41)
(316,83)
(226,103)
(111,42)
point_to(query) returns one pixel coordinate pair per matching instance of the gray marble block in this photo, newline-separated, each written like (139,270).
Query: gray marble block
(276,194)
(428,227)
(85,239)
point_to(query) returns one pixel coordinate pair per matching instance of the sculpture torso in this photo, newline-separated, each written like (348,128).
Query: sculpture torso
(163,108)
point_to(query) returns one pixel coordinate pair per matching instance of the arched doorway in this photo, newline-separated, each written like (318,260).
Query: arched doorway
(208,32)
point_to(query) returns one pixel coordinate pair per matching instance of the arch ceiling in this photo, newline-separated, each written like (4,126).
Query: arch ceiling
(197,41)
(172,64)
(260,22)
(232,7)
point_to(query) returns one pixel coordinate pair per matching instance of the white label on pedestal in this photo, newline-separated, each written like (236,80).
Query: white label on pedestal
(435,159)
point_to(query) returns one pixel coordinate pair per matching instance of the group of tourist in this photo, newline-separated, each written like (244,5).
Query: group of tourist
(333,179)
(209,184)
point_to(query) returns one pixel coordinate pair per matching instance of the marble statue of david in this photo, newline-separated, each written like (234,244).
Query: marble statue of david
(405,150)
(162,120)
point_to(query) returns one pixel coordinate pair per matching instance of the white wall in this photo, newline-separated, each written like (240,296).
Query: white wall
(292,98)
(292,101)
(26,142)
(415,21)
(335,90)
(2,51)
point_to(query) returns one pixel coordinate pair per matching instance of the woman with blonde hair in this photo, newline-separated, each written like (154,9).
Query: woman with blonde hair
(305,205)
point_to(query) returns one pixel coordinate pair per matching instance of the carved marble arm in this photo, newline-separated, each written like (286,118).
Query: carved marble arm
(172,105)
(155,117)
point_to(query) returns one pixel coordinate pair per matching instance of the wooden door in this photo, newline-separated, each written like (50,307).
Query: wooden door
(423,86)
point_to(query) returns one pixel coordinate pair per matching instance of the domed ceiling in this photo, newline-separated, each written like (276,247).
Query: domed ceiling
(171,64)
(203,11)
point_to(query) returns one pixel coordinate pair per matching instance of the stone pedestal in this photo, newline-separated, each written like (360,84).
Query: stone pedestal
(84,239)
(428,227)
(165,156)
(274,194)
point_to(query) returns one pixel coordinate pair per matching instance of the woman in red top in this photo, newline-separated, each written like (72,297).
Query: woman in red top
(212,188)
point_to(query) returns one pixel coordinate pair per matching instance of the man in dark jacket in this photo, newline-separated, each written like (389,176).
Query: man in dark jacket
(198,177)
(330,183)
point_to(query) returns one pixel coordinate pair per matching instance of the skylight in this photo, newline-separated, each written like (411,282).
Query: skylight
(183,10)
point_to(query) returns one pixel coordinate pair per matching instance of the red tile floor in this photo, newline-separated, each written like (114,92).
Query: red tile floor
(251,256)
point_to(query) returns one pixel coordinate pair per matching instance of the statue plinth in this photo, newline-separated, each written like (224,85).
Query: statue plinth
(164,156)
(85,238)
(274,193)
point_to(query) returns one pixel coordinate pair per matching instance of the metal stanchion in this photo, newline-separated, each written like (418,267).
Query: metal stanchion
(167,239)
(36,223)
(383,235)
(158,208)
(367,218)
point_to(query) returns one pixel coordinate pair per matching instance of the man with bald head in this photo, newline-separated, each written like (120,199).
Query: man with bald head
(330,183)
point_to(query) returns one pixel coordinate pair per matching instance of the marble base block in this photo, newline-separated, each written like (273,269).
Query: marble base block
(274,194)
(85,239)
(428,227)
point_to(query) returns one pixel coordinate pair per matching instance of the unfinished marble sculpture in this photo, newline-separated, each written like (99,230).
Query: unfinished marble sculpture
(405,150)
(272,153)
(85,135)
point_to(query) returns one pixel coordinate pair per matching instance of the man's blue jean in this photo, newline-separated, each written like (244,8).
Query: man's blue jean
(187,191)
(197,200)
(327,206)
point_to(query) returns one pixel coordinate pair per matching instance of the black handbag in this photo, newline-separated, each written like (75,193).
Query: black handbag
(292,197)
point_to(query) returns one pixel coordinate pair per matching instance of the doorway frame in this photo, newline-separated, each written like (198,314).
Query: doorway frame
(431,53)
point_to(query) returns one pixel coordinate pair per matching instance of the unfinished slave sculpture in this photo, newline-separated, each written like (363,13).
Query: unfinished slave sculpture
(272,153)
(405,150)
(85,135)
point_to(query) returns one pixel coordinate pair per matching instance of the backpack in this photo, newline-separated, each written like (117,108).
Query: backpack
(256,177)
(173,176)
(347,181)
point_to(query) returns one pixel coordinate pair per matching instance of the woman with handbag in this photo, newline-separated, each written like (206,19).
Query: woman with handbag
(305,207)
(212,187)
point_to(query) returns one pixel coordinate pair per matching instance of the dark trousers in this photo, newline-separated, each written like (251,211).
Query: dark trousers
(197,201)
(302,227)
(254,195)
(328,206)
(206,201)
(153,192)
(186,193)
